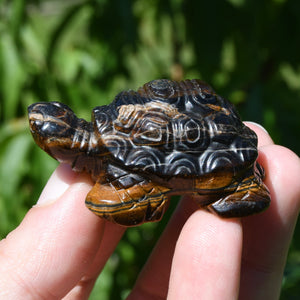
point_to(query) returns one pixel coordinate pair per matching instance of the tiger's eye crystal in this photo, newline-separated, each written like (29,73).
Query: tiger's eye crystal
(166,138)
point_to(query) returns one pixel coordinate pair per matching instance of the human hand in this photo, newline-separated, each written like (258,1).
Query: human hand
(60,247)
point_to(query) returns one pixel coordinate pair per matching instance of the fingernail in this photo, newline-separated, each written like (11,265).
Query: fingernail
(54,188)
(258,125)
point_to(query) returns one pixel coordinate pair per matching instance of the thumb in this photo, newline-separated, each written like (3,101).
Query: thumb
(48,253)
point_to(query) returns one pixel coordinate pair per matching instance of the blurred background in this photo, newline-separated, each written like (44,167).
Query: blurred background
(85,52)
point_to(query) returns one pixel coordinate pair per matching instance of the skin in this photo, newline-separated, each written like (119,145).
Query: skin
(60,248)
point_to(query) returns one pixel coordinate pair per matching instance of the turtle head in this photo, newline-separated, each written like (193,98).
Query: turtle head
(57,130)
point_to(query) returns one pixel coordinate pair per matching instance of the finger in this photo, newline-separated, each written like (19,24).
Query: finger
(154,279)
(267,236)
(112,234)
(197,255)
(54,245)
(206,263)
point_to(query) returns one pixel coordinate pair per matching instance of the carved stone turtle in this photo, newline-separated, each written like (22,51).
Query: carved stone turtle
(166,138)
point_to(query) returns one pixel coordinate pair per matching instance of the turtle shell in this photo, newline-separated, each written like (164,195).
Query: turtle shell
(170,128)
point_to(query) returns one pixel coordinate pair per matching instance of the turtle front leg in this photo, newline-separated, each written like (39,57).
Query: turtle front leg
(128,200)
(251,196)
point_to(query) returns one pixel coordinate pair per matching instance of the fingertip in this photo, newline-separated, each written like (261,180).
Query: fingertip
(283,172)
(203,229)
(263,136)
(61,179)
(207,257)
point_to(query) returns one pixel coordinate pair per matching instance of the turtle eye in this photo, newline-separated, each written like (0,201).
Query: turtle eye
(51,128)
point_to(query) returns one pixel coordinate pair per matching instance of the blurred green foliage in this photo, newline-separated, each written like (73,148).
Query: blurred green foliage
(84,52)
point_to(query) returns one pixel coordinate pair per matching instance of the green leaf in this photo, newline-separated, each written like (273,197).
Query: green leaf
(13,75)
(12,167)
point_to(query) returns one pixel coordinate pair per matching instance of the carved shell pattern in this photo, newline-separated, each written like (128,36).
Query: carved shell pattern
(175,129)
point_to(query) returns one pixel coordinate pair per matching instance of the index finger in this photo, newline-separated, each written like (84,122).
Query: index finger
(56,243)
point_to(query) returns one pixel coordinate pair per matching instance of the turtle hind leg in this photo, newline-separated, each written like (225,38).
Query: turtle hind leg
(129,200)
(250,197)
